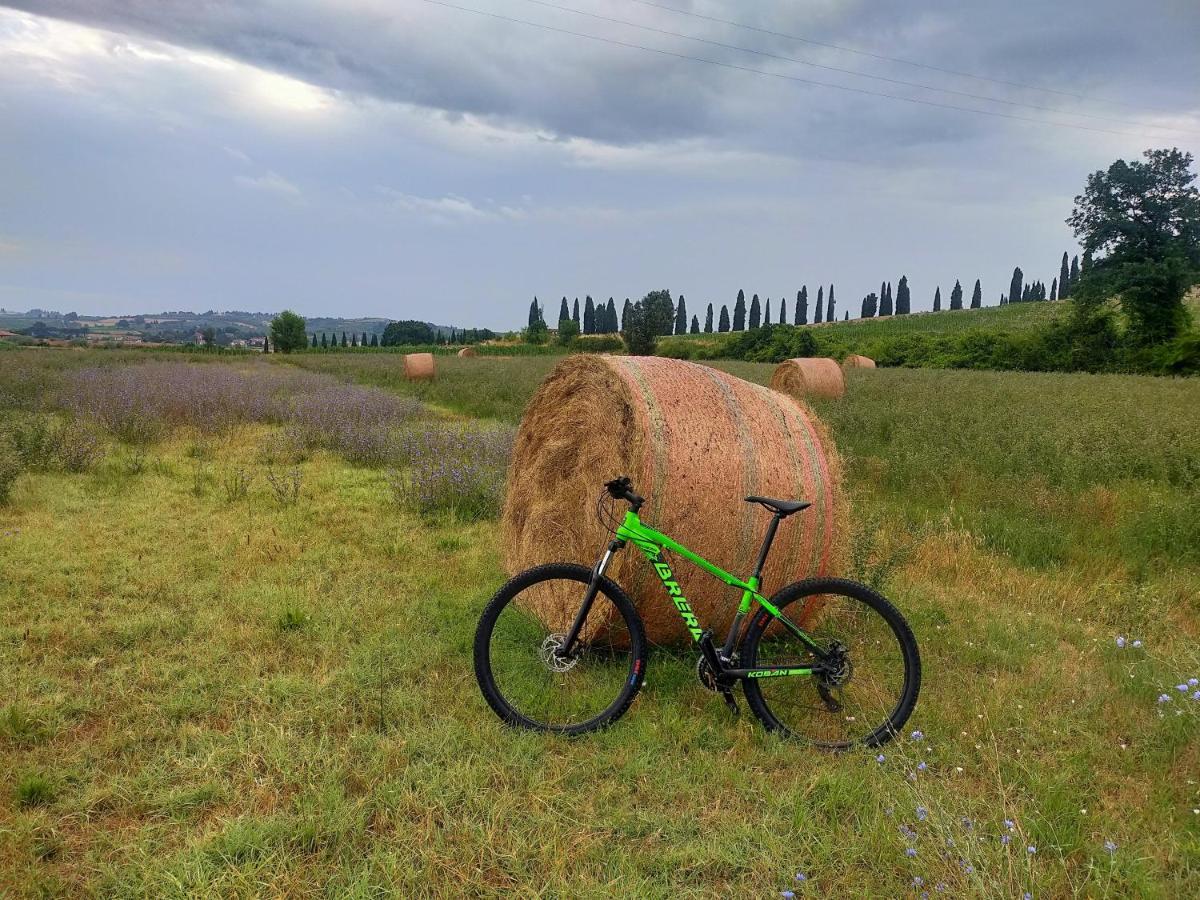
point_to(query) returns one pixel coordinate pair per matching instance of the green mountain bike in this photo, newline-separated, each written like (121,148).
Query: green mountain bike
(561,647)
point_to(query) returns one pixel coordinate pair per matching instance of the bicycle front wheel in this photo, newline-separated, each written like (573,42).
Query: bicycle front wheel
(527,683)
(876,670)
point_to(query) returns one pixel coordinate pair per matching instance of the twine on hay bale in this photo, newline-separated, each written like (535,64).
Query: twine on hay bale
(809,377)
(695,441)
(854,361)
(418,366)
(467,351)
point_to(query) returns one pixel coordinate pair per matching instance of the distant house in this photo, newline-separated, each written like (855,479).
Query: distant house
(6,334)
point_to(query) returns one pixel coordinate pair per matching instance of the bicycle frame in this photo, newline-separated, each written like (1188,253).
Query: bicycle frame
(652,543)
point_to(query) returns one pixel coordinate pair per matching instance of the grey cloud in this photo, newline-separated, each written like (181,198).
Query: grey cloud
(459,63)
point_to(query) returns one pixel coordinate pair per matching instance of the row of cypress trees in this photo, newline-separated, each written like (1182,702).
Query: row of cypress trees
(331,340)
(601,318)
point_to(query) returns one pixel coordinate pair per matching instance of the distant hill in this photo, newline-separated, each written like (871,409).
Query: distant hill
(180,326)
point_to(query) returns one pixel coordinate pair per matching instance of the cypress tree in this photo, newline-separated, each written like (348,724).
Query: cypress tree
(681,320)
(695,325)
(1053,289)
(533,311)
(903,297)
(314,342)
(324,341)
(1014,286)
(755,312)
(723,322)
(937,299)
(885,300)
(611,311)
(589,316)
(783,310)
(846,316)
(625,314)
(575,313)
(767,312)
(353,340)
(1074,272)
(802,306)
(266,344)
(869,305)
(1064,279)
(563,311)
(739,312)
(820,305)
(829,313)
(956,294)
(977,295)
(708,320)
(375,340)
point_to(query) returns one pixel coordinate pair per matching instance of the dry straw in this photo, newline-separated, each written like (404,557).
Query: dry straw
(467,351)
(853,361)
(695,441)
(817,377)
(418,366)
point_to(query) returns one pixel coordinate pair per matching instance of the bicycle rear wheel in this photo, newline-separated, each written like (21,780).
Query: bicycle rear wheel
(522,678)
(872,693)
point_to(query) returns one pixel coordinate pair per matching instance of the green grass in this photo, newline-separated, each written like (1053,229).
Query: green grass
(205,697)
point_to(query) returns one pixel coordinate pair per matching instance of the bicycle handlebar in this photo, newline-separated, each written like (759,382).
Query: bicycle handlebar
(622,489)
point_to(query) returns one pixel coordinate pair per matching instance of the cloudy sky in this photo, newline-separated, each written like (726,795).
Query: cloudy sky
(449,160)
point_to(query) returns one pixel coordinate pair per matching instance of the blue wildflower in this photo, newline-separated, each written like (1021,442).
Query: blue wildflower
(1110,847)
(1120,642)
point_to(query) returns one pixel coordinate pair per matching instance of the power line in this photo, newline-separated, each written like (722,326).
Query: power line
(780,75)
(878,56)
(803,62)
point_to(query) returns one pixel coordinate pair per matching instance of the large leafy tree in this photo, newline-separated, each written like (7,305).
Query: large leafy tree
(408,332)
(1139,226)
(287,332)
(641,325)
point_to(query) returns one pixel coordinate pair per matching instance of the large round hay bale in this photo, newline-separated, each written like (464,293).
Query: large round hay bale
(809,377)
(854,361)
(695,441)
(418,366)
(467,351)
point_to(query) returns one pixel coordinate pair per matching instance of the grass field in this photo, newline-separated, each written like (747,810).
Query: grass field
(213,692)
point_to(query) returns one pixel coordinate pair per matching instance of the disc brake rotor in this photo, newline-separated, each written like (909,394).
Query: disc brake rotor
(549,654)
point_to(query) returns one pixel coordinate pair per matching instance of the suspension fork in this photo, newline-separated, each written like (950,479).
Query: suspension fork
(589,597)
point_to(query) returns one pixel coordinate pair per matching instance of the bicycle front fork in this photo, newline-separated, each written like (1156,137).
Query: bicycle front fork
(568,644)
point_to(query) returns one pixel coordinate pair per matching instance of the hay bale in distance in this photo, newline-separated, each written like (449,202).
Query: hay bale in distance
(467,351)
(418,366)
(854,361)
(695,441)
(809,377)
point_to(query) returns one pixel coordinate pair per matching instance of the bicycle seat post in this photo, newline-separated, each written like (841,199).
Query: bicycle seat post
(766,546)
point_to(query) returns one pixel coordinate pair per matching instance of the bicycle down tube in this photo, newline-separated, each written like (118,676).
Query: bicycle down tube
(652,543)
